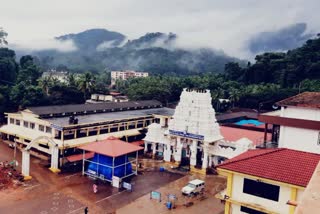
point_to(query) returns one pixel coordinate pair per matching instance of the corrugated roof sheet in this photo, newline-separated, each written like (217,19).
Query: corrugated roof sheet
(59,109)
(283,165)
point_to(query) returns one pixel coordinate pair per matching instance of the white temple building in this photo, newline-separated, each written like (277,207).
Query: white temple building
(192,137)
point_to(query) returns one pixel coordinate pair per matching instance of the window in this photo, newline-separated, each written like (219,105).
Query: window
(250,211)
(32,125)
(25,124)
(261,189)
(11,121)
(18,122)
(41,128)
(48,129)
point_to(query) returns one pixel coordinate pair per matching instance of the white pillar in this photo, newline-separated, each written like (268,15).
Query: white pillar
(54,158)
(177,153)
(167,153)
(193,159)
(205,159)
(210,160)
(145,146)
(26,164)
(154,148)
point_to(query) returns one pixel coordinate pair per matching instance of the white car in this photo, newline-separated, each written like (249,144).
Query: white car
(193,187)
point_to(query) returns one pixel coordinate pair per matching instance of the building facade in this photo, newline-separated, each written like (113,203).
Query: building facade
(265,180)
(69,126)
(124,75)
(299,120)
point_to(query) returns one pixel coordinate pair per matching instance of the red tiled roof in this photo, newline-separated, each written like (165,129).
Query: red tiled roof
(112,147)
(283,165)
(306,99)
(234,134)
(78,157)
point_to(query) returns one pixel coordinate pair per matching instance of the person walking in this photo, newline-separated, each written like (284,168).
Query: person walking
(95,188)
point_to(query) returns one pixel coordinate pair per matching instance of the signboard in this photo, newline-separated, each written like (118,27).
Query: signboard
(186,134)
(54,126)
(127,186)
(115,181)
(155,195)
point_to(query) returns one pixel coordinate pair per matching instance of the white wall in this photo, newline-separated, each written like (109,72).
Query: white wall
(299,139)
(301,113)
(276,206)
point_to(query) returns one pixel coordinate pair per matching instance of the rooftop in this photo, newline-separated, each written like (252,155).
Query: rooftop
(306,99)
(234,134)
(282,165)
(50,111)
(112,147)
(111,116)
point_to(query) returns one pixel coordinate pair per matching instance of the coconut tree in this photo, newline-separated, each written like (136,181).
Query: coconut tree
(45,83)
(86,83)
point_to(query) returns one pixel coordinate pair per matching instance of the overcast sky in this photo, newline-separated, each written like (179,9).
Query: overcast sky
(222,24)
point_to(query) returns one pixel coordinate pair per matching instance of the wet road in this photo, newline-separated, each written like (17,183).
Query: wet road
(50,193)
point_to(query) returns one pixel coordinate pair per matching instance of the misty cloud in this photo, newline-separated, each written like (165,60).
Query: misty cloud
(283,39)
(50,44)
(223,25)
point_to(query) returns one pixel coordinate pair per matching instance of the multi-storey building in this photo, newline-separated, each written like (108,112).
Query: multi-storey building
(56,131)
(263,181)
(124,75)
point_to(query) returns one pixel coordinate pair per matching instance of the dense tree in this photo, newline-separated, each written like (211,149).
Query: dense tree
(8,66)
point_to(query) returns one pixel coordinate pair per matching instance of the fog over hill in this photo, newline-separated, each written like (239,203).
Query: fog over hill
(100,49)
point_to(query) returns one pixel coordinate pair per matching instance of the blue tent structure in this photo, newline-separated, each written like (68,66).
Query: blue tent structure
(101,166)
(110,159)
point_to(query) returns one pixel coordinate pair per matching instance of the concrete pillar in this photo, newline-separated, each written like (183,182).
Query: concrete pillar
(145,146)
(193,158)
(215,160)
(54,159)
(210,160)
(167,153)
(205,159)
(26,165)
(154,149)
(177,153)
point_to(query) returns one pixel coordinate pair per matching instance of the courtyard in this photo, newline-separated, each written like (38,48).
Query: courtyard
(48,193)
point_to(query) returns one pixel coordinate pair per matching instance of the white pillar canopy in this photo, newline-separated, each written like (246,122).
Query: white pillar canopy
(210,160)
(193,159)
(25,163)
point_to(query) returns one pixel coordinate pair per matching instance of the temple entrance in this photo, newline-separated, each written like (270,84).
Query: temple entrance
(199,158)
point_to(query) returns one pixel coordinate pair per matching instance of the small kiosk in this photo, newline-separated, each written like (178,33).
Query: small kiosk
(112,160)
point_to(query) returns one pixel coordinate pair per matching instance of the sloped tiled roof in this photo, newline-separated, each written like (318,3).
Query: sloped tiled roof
(306,99)
(283,165)
(234,134)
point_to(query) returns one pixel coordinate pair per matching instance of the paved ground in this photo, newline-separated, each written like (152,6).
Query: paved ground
(206,204)
(49,193)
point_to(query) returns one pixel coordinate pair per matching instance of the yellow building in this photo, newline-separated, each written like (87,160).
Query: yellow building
(264,181)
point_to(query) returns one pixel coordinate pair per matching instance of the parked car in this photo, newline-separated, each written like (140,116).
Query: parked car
(194,187)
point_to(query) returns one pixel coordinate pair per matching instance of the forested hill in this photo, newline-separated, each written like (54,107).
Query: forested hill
(99,49)
(286,69)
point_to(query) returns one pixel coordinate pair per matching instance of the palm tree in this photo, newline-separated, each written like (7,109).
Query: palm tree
(71,79)
(86,83)
(234,95)
(45,83)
